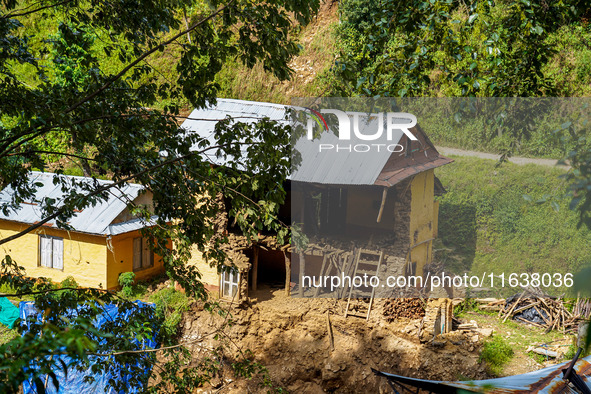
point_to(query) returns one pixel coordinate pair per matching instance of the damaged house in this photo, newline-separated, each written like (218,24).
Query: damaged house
(361,212)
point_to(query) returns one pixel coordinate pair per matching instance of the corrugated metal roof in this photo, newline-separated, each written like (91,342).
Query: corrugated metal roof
(203,120)
(337,167)
(548,380)
(131,225)
(92,219)
(342,165)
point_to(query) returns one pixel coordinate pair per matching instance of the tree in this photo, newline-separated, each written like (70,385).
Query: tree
(88,94)
(454,47)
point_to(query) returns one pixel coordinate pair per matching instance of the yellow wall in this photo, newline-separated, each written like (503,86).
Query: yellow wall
(120,259)
(209,275)
(422,222)
(84,255)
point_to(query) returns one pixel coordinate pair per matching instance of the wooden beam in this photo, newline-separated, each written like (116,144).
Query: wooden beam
(287,273)
(301,253)
(302,272)
(255,267)
(383,204)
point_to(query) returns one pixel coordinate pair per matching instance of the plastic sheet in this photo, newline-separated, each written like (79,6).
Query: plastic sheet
(74,382)
(8,312)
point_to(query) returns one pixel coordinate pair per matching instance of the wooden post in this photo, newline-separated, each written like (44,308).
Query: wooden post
(287,273)
(302,271)
(301,253)
(384,195)
(255,266)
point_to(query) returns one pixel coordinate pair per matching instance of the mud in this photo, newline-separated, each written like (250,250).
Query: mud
(290,336)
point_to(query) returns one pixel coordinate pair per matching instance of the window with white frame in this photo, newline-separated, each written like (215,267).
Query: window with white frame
(143,256)
(51,252)
(229,283)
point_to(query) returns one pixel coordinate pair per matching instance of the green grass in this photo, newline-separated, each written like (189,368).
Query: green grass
(486,224)
(170,305)
(496,353)
(6,334)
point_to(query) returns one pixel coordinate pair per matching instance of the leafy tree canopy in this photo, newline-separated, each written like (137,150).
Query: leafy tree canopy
(83,93)
(479,48)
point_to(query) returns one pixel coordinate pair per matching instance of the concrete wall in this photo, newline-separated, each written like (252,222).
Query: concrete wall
(120,259)
(84,255)
(422,222)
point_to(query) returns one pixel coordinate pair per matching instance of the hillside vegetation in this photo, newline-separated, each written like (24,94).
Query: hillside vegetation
(336,59)
(508,218)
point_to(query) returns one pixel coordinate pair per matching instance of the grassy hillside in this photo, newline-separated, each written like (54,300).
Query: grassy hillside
(312,67)
(493,218)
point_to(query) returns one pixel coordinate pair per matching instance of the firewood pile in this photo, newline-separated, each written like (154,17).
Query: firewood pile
(582,308)
(412,308)
(543,312)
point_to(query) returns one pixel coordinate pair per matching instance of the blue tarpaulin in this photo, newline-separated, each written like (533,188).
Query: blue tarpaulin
(74,382)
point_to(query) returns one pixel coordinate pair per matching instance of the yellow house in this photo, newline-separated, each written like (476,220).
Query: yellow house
(103,241)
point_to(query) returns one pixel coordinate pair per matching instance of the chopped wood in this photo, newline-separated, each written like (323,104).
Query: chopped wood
(411,308)
(513,307)
(548,313)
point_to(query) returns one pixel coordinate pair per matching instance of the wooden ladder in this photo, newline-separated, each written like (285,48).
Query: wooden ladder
(366,262)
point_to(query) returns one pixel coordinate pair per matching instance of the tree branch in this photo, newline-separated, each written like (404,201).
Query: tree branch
(11,15)
(145,55)
(45,128)
(29,152)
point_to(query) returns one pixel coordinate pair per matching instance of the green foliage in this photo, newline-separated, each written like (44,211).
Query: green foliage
(69,282)
(467,305)
(496,352)
(540,359)
(246,367)
(130,288)
(6,334)
(454,48)
(571,352)
(486,224)
(170,305)
(89,86)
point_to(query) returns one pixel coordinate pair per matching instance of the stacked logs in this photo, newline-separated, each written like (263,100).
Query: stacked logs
(545,312)
(411,308)
(582,308)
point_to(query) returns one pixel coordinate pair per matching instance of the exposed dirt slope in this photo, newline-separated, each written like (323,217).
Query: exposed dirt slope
(290,337)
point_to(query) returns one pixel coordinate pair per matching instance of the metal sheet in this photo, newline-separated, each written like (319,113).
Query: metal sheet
(92,219)
(203,120)
(131,225)
(342,167)
(547,380)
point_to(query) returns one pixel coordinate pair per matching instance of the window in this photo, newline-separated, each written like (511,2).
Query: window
(230,279)
(143,257)
(51,252)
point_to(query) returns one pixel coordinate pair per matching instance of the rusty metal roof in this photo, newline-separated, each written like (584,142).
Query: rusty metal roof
(335,167)
(544,381)
(95,219)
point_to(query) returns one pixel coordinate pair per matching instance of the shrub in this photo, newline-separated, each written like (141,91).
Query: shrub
(496,353)
(170,305)
(69,282)
(127,282)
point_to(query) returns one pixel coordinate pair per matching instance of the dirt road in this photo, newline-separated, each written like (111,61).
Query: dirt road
(492,156)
